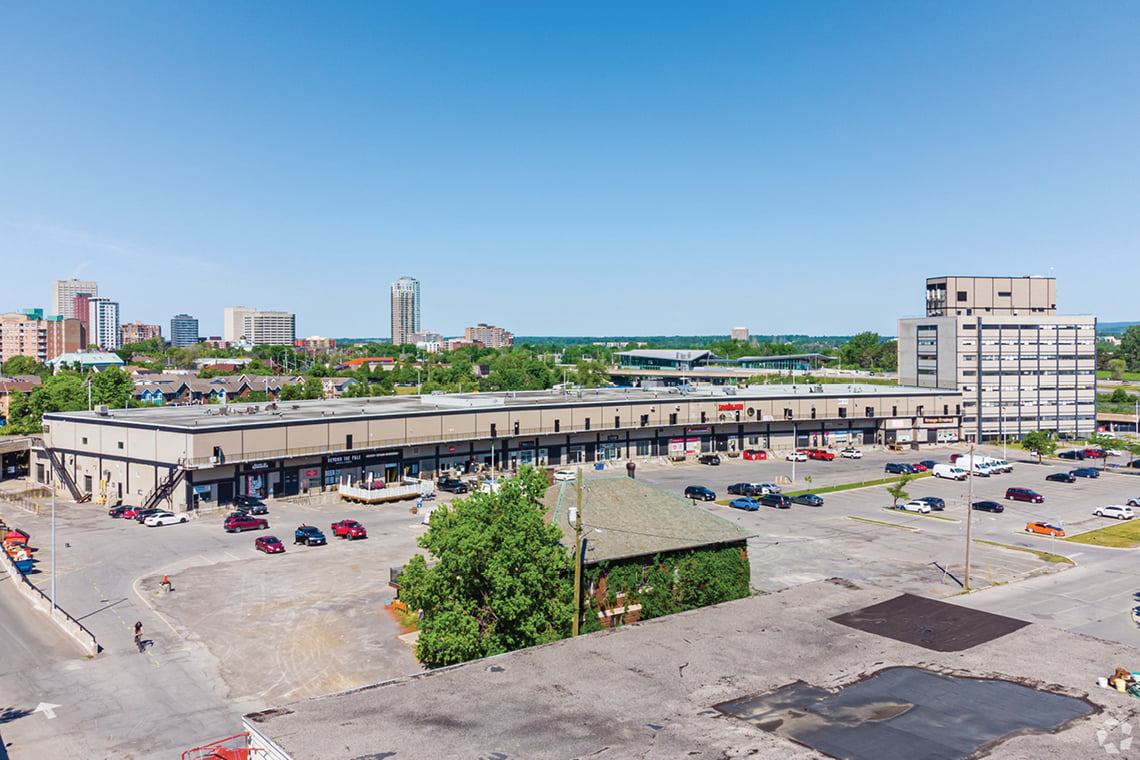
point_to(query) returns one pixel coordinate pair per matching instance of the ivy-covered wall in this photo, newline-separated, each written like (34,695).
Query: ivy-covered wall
(672,582)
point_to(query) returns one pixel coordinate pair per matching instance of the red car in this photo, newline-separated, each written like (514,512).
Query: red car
(918,467)
(269,545)
(349,529)
(755,454)
(820,454)
(238,523)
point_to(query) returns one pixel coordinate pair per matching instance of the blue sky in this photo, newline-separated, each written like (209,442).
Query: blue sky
(584,168)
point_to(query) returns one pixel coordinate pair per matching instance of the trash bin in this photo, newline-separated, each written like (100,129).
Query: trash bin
(599,465)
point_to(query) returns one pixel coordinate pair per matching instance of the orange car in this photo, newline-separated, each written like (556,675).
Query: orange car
(1045,529)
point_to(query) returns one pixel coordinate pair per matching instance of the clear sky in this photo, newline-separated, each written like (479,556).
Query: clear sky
(568,168)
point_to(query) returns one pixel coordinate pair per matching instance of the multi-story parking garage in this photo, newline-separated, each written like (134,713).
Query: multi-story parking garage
(190,455)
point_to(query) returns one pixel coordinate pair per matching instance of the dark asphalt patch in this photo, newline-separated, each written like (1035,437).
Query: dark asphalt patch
(906,714)
(930,623)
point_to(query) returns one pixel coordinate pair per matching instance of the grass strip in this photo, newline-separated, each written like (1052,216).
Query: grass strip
(930,515)
(1046,556)
(880,522)
(860,484)
(1122,535)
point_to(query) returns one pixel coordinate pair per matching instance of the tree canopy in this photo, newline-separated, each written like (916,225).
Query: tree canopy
(501,580)
(1040,441)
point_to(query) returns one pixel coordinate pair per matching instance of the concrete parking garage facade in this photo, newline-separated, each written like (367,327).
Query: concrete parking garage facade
(198,455)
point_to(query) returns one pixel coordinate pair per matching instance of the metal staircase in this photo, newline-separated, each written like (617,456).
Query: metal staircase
(60,470)
(164,489)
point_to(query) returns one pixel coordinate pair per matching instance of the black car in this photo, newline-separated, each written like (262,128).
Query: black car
(928,463)
(1135,463)
(744,489)
(700,493)
(777,500)
(1071,455)
(1061,477)
(454,485)
(118,511)
(809,499)
(251,505)
(709,459)
(142,514)
(309,535)
(936,504)
(1085,472)
(988,506)
(897,469)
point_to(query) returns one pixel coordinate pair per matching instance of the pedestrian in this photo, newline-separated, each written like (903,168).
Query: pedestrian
(139,635)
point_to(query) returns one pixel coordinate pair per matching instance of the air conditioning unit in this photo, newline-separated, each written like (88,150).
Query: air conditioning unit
(213,460)
(101,410)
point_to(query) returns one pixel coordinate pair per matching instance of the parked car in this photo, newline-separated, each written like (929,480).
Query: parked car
(918,467)
(915,506)
(251,505)
(165,518)
(951,471)
(119,511)
(929,464)
(820,454)
(935,503)
(348,529)
(142,514)
(1085,472)
(808,499)
(238,523)
(1024,494)
(455,485)
(700,493)
(269,544)
(744,489)
(1114,510)
(896,468)
(777,500)
(796,456)
(988,506)
(755,454)
(1135,463)
(745,502)
(712,459)
(851,454)
(1134,502)
(1094,453)
(955,457)
(767,487)
(1045,529)
(1061,477)
(1074,454)
(309,535)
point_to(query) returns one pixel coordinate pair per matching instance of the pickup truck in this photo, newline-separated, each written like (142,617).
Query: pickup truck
(309,535)
(348,529)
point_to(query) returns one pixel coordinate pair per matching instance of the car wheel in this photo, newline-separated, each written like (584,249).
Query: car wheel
(1120,517)
(184,519)
(237,530)
(1098,513)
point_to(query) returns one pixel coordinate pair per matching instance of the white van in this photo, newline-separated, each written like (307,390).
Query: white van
(952,471)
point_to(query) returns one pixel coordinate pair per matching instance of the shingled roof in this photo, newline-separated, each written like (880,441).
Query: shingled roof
(622,518)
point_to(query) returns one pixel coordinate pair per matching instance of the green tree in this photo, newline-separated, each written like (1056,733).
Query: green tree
(1104,441)
(898,491)
(1117,367)
(501,581)
(1130,346)
(312,388)
(591,374)
(111,386)
(1121,396)
(1040,442)
(863,350)
(22,365)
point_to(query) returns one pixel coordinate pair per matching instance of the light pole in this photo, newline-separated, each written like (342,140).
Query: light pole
(53,546)
(969,516)
(576,519)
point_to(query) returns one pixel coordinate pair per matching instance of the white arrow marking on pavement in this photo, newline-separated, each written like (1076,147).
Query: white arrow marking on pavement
(47,708)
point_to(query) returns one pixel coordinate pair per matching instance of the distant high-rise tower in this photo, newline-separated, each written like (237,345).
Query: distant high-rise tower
(103,323)
(63,293)
(233,322)
(183,331)
(405,309)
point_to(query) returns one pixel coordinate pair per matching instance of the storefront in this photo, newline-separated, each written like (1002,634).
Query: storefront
(362,467)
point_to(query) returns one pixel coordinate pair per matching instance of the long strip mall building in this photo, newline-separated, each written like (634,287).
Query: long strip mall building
(188,457)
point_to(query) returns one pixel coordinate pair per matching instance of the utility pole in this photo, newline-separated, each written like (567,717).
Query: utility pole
(576,518)
(969,517)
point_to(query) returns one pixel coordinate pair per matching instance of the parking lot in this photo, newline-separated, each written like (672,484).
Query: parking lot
(276,628)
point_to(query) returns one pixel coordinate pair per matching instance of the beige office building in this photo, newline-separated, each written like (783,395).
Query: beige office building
(64,293)
(405,310)
(999,341)
(40,339)
(233,323)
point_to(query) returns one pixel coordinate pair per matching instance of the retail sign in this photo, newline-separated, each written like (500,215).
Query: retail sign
(730,407)
(526,444)
(312,473)
(938,420)
(259,465)
(344,459)
(700,431)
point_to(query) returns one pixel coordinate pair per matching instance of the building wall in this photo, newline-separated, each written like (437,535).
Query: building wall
(40,339)
(136,332)
(273,328)
(233,322)
(63,293)
(991,296)
(103,323)
(183,331)
(405,310)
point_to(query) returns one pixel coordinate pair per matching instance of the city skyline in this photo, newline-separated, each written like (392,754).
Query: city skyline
(564,171)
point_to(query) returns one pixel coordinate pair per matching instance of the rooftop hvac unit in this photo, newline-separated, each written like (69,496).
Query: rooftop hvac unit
(101,410)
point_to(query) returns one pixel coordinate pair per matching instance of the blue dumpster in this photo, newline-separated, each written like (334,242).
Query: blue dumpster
(599,465)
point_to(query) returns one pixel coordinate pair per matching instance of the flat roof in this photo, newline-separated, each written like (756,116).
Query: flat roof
(222,416)
(652,689)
